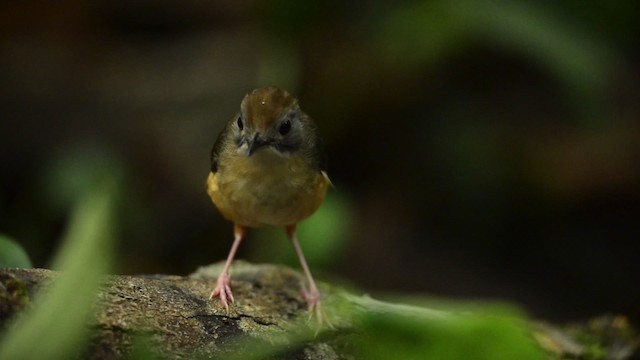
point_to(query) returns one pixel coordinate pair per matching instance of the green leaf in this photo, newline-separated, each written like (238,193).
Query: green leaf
(55,328)
(415,34)
(478,335)
(12,255)
(323,236)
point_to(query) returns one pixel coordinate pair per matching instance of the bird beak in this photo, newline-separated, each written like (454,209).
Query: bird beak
(256,143)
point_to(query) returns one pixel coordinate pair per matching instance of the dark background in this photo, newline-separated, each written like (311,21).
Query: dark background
(479,149)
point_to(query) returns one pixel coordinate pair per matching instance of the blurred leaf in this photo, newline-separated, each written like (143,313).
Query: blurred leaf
(572,53)
(12,255)
(421,32)
(326,233)
(74,170)
(323,236)
(477,335)
(55,328)
(385,330)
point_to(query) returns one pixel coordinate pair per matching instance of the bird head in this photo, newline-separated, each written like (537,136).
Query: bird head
(269,118)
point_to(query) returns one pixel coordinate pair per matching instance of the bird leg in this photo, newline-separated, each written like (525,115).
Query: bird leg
(223,288)
(311,294)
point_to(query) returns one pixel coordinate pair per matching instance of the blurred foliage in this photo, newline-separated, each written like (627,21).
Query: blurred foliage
(420,32)
(73,170)
(478,335)
(390,330)
(12,254)
(323,237)
(57,321)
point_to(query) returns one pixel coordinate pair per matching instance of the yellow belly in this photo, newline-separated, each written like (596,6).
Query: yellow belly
(267,189)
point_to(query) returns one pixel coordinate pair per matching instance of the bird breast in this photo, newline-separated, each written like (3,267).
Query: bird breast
(267,189)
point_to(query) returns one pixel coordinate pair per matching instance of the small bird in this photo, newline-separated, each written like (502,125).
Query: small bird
(267,168)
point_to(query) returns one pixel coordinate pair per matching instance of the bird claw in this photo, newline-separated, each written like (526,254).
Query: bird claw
(313,299)
(223,290)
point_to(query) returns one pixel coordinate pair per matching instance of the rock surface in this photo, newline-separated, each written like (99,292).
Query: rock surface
(173,316)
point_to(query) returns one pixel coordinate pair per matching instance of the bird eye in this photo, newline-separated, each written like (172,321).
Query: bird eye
(240,124)
(285,127)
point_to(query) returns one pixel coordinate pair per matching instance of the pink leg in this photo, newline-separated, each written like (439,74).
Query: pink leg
(223,288)
(312,294)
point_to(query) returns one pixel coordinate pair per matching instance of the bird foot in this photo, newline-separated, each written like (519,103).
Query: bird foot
(223,290)
(313,299)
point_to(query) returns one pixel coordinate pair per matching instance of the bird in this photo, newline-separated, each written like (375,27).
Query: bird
(268,168)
